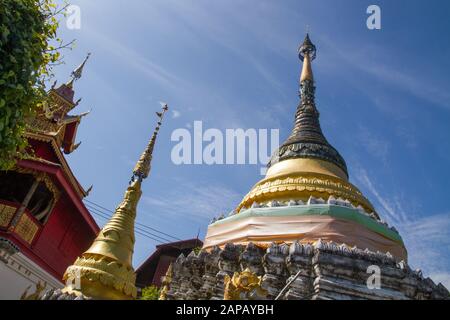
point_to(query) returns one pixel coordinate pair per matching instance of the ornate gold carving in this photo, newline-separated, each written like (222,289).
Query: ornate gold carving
(48,120)
(166,283)
(42,125)
(26,228)
(304,184)
(243,286)
(62,160)
(113,275)
(6,214)
(42,177)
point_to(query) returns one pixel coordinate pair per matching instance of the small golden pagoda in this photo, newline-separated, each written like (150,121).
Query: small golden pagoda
(105,270)
(306,194)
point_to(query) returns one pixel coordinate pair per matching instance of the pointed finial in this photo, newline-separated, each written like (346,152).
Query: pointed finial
(307,140)
(75,146)
(307,48)
(307,53)
(88,191)
(84,114)
(142,168)
(77,73)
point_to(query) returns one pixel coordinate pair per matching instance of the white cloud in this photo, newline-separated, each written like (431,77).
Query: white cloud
(427,241)
(390,209)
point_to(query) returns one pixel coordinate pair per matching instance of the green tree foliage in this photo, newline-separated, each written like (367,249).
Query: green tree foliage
(150,293)
(27,27)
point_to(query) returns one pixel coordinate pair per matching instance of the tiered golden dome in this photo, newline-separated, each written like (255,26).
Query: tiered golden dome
(306,164)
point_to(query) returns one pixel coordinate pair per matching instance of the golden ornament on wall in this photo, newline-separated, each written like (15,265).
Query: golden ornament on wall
(245,285)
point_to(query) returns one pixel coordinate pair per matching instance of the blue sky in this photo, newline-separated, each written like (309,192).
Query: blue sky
(383,96)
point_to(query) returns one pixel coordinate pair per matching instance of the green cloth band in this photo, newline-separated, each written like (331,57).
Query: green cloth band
(338,212)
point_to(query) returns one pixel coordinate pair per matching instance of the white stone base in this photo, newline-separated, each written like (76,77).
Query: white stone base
(19,273)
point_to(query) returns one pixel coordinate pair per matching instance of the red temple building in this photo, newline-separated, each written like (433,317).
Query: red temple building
(44,225)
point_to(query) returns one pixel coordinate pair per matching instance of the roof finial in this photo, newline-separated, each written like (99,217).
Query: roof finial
(142,168)
(307,48)
(77,73)
(307,53)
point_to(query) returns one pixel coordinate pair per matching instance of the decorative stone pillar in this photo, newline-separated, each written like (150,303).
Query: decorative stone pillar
(342,273)
(194,266)
(409,284)
(211,268)
(423,286)
(252,258)
(177,277)
(228,264)
(300,269)
(274,263)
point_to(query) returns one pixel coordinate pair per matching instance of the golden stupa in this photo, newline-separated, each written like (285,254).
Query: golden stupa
(306,194)
(105,270)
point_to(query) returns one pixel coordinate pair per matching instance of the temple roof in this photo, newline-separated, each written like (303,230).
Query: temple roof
(307,139)
(53,118)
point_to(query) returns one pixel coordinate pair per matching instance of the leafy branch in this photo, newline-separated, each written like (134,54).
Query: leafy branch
(27,29)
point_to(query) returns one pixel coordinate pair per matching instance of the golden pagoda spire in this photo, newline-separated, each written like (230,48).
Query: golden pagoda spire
(305,164)
(105,270)
(307,140)
(306,56)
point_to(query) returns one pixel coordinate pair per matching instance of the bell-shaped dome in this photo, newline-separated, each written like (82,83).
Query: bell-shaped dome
(305,195)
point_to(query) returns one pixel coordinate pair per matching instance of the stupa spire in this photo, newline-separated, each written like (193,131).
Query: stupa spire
(105,270)
(142,168)
(306,139)
(307,53)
